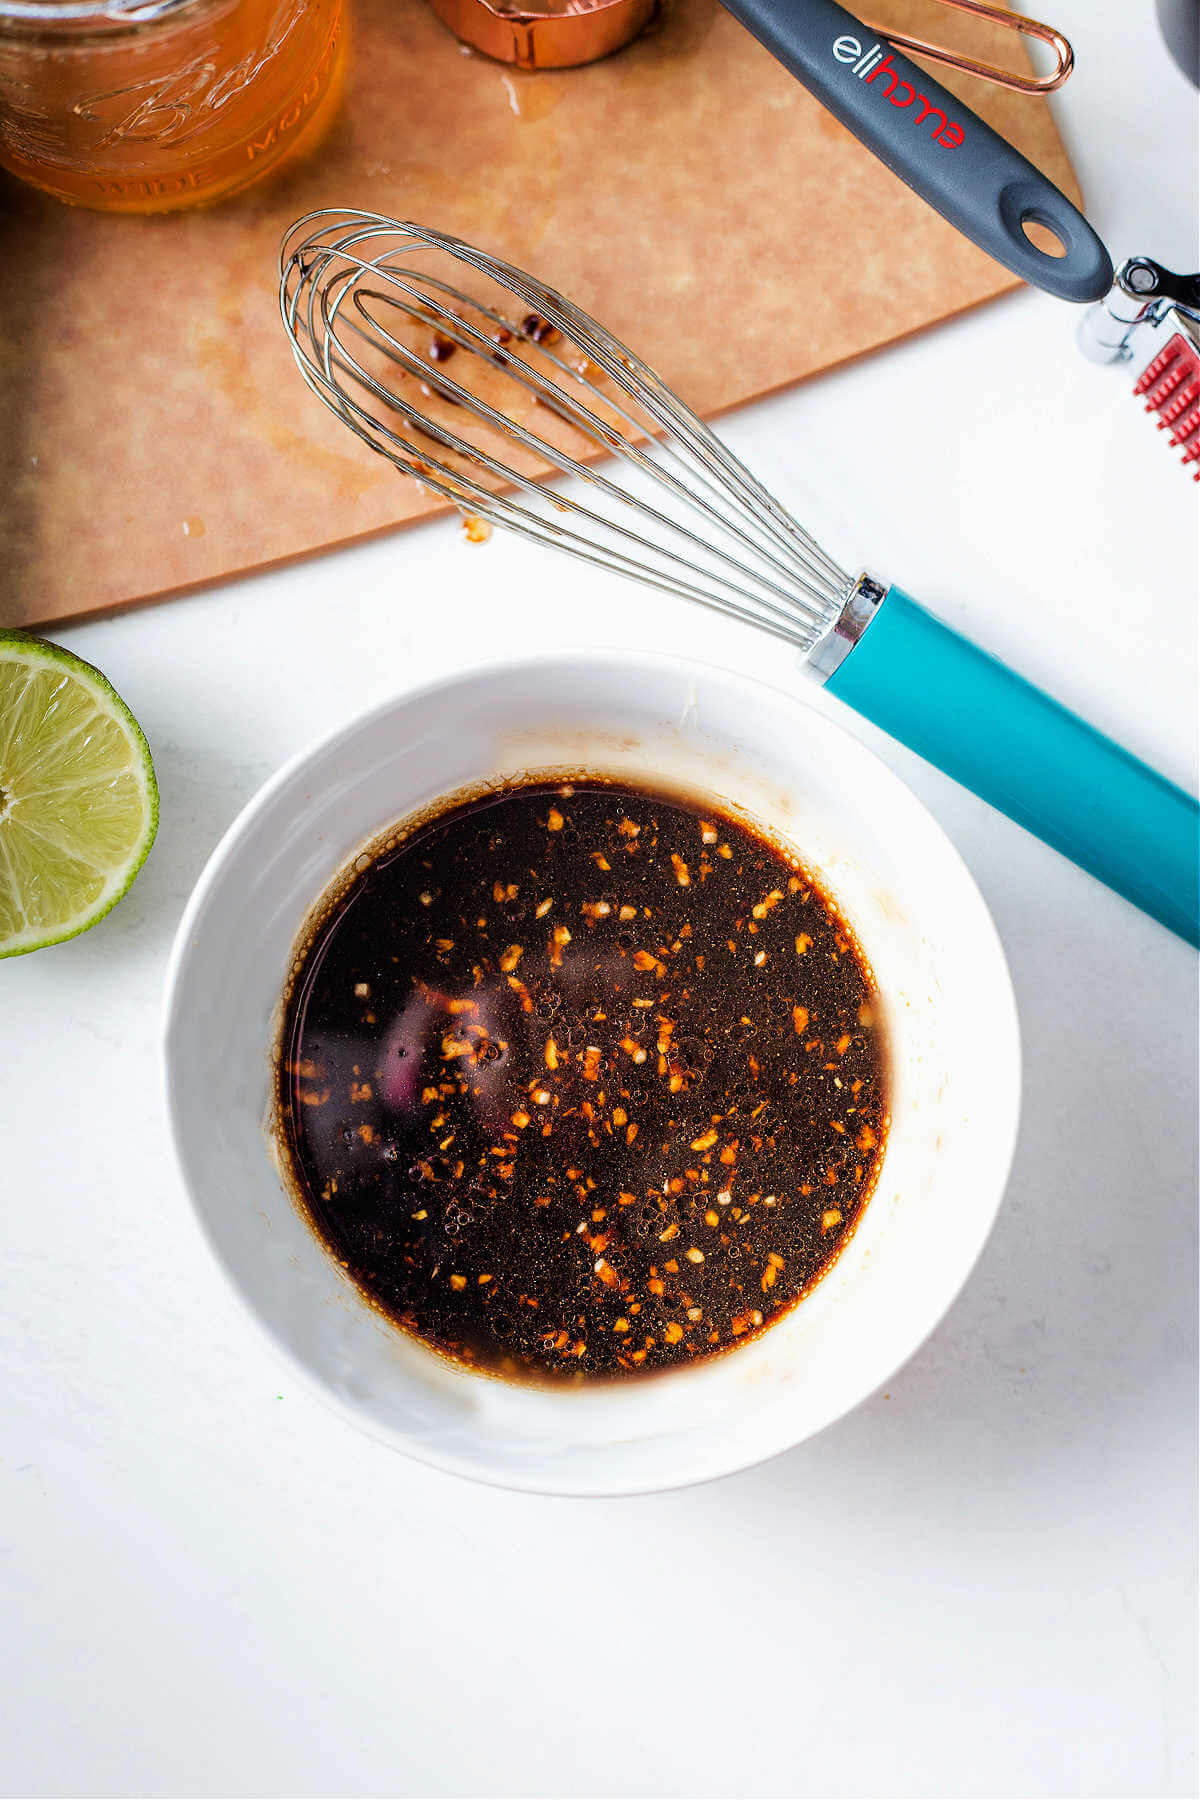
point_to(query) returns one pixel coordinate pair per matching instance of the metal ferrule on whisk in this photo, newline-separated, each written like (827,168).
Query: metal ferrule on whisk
(861,604)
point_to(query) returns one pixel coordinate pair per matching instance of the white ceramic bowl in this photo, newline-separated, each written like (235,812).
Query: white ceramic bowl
(922,924)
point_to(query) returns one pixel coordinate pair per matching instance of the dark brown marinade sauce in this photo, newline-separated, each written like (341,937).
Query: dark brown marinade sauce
(576,1081)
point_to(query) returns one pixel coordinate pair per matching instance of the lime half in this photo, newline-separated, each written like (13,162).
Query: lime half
(78,798)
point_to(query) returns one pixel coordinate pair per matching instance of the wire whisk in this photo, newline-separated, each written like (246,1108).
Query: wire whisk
(487,386)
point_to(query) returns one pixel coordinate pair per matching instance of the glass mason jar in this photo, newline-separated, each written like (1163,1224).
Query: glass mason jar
(142,107)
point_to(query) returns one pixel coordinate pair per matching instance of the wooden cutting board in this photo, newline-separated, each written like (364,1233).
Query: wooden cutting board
(688,192)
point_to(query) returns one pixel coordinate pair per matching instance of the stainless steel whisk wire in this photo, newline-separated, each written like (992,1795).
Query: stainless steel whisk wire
(759,565)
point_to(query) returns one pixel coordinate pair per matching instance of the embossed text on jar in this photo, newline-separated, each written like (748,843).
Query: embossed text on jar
(187,105)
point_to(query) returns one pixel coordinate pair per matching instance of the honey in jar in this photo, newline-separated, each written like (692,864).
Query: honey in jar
(135,107)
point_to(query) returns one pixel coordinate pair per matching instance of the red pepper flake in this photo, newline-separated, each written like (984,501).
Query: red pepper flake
(539,329)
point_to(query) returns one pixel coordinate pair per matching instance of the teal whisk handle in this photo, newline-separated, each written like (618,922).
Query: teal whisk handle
(1018,749)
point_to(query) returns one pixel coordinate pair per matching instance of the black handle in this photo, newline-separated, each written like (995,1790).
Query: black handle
(927,137)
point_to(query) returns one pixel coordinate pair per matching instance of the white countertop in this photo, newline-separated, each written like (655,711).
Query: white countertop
(980,1583)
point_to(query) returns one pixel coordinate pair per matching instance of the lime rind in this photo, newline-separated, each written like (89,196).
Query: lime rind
(78,796)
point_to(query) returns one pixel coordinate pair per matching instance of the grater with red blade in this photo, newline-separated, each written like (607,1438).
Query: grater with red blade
(1152,309)
(1171,384)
